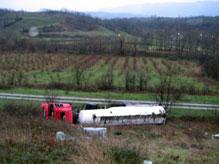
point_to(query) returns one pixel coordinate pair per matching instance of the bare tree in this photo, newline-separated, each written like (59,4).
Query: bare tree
(106,82)
(79,76)
(166,92)
(130,80)
(143,80)
(121,45)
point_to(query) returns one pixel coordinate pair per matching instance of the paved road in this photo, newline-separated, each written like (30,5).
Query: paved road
(84,100)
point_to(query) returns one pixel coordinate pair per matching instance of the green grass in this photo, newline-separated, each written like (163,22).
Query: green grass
(30,20)
(193,114)
(201,99)
(42,69)
(173,155)
(124,156)
(44,20)
(111,95)
(94,74)
(172,114)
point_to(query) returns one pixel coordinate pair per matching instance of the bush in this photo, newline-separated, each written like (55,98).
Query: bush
(130,80)
(125,156)
(21,109)
(106,82)
(211,67)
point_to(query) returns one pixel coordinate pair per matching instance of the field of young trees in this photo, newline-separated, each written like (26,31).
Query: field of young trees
(101,72)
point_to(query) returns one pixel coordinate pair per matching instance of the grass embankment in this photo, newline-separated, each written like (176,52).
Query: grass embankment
(110,95)
(192,114)
(25,138)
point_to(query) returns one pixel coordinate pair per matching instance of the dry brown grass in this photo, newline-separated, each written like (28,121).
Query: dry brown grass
(174,142)
(28,139)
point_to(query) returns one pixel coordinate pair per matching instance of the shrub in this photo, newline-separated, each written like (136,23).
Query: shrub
(211,67)
(106,82)
(130,80)
(21,109)
(142,81)
(124,156)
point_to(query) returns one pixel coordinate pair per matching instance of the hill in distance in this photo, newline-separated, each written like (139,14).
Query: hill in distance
(59,25)
(202,8)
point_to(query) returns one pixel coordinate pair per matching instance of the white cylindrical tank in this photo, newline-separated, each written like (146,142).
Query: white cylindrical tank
(122,115)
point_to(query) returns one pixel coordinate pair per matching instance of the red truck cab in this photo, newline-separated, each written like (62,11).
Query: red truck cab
(57,111)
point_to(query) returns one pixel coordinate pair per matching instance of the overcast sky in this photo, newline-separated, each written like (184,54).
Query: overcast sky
(76,5)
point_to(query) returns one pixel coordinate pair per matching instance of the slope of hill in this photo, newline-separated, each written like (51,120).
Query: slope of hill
(139,34)
(54,22)
(49,21)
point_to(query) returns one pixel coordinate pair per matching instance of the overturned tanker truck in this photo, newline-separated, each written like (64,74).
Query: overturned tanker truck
(119,115)
(125,115)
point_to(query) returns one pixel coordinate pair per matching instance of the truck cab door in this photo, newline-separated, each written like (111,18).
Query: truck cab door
(51,110)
